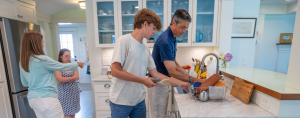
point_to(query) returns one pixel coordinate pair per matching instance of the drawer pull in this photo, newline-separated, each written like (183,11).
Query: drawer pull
(106,85)
(107,100)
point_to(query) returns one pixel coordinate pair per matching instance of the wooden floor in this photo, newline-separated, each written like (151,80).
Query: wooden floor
(86,104)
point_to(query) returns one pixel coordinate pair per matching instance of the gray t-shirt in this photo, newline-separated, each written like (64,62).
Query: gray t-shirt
(136,59)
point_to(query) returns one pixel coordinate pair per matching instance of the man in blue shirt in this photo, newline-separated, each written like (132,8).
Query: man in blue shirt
(164,54)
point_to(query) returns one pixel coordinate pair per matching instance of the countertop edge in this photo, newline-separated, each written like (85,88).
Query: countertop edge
(277,95)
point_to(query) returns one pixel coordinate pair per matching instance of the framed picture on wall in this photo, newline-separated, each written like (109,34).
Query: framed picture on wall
(286,37)
(243,27)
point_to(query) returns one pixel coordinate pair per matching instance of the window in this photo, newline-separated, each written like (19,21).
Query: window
(66,41)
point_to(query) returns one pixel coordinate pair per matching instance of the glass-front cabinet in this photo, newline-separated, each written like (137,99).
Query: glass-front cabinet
(173,5)
(106,22)
(127,10)
(114,18)
(205,18)
(160,8)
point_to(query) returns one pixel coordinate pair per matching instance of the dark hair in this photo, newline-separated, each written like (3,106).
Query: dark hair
(61,53)
(149,16)
(180,15)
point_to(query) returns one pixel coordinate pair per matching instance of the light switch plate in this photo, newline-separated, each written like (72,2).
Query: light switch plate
(265,101)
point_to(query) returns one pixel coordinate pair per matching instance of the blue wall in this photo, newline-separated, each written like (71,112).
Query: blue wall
(244,48)
(273,26)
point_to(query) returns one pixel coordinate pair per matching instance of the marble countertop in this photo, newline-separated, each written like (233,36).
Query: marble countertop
(272,80)
(101,78)
(230,107)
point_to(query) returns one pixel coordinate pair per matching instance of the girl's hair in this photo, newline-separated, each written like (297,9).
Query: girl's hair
(31,45)
(61,53)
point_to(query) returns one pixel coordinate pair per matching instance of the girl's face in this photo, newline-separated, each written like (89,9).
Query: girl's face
(66,58)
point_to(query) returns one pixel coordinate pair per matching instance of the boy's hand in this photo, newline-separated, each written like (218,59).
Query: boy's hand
(148,82)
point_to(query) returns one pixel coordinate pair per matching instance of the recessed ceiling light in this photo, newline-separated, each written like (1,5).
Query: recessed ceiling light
(64,23)
(82,4)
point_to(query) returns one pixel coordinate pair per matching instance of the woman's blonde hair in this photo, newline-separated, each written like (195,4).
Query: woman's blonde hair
(31,44)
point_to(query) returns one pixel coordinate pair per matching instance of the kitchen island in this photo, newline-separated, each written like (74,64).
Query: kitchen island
(230,107)
(270,90)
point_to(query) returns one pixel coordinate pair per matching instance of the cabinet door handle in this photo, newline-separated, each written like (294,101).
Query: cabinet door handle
(106,85)
(108,117)
(107,100)
(2,82)
(21,16)
(193,41)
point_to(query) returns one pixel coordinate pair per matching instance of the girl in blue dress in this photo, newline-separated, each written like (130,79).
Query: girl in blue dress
(68,91)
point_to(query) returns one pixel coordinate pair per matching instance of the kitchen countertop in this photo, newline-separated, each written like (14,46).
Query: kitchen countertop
(101,78)
(272,80)
(230,107)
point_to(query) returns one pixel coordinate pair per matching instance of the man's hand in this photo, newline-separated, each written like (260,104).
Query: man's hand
(194,79)
(184,85)
(148,82)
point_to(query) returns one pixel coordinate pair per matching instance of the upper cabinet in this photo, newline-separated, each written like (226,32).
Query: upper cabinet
(160,8)
(184,39)
(9,9)
(27,12)
(106,21)
(126,11)
(18,10)
(114,18)
(205,18)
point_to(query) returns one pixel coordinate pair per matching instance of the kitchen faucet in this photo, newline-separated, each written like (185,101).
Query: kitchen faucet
(191,87)
(203,63)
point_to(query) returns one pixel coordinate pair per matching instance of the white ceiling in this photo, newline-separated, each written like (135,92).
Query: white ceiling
(51,7)
(276,2)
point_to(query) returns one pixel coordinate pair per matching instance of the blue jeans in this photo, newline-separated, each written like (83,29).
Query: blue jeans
(122,111)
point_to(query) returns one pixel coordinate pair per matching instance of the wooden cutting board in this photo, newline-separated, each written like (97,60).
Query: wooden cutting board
(242,90)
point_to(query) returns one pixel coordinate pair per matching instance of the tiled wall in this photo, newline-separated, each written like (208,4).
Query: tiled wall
(184,54)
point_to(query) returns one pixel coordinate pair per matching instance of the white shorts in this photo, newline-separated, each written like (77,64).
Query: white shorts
(46,107)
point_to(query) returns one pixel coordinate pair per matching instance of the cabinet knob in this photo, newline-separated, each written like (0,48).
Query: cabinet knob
(193,41)
(21,16)
(106,85)
(107,100)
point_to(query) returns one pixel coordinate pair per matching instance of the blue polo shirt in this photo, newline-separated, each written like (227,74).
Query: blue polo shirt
(164,49)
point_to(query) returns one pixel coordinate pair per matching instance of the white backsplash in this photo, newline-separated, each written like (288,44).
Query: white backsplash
(184,54)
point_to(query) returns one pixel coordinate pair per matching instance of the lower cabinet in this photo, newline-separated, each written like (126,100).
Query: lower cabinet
(101,98)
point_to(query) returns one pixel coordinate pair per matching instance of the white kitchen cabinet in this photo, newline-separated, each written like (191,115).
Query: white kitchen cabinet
(102,101)
(8,9)
(205,19)
(101,86)
(106,22)
(27,12)
(160,8)
(5,108)
(186,39)
(18,10)
(126,13)
(103,114)
(202,30)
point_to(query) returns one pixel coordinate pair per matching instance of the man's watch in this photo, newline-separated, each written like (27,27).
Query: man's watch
(155,80)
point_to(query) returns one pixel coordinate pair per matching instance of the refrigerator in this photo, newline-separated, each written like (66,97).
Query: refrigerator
(11,32)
